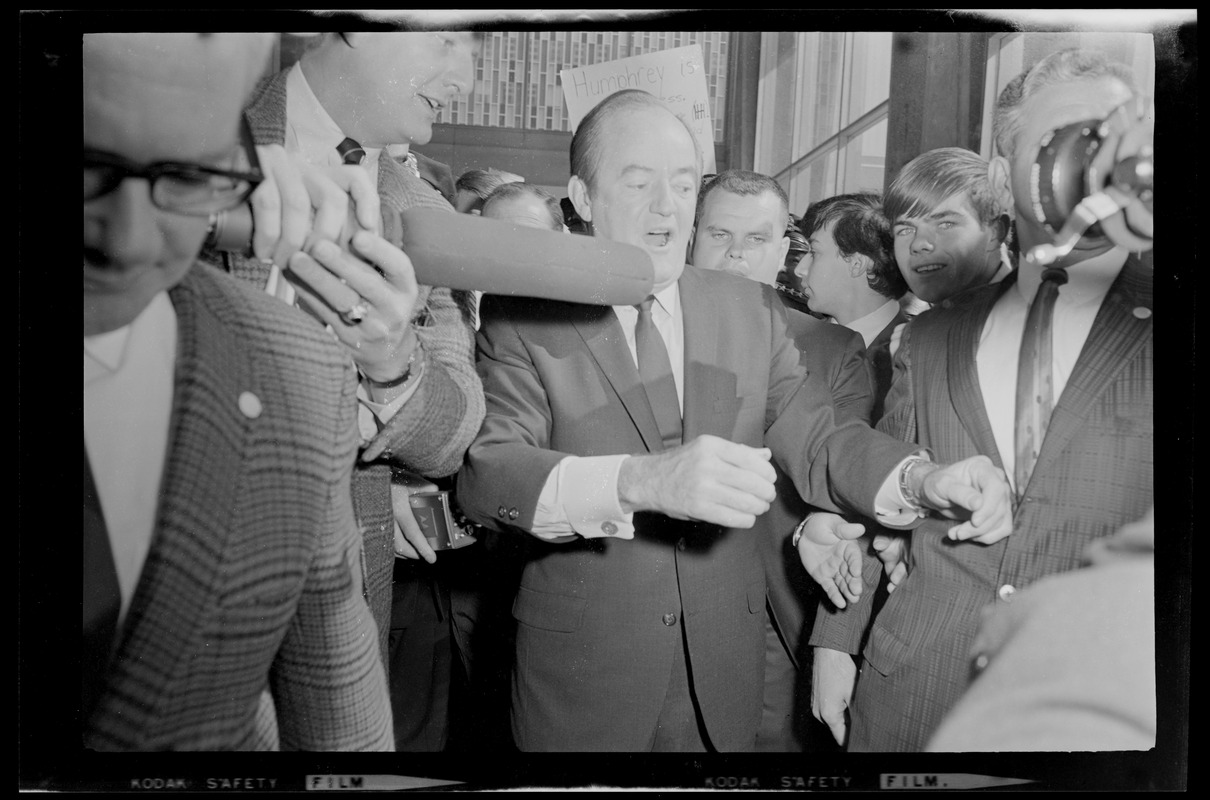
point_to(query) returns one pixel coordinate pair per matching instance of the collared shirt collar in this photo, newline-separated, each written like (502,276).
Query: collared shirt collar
(1006,266)
(315,133)
(106,349)
(1087,281)
(872,324)
(104,352)
(669,298)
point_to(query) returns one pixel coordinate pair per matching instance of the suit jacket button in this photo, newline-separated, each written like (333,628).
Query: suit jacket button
(1142,312)
(680,544)
(501,512)
(608,528)
(249,405)
(982,661)
(670,619)
(513,514)
(1006,592)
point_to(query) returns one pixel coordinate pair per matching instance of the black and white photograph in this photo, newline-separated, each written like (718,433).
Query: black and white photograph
(485,400)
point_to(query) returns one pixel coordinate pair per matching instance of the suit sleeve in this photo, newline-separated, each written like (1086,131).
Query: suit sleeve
(843,629)
(431,432)
(853,384)
(509,461)
(328,683)
(836,463)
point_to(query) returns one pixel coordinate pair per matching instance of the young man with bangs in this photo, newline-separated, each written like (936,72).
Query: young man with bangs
(1072,429)
(947,224)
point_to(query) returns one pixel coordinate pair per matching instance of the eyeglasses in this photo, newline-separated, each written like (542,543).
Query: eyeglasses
(190,189)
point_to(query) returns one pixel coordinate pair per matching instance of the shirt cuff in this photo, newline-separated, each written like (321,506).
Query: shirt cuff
(580,496)
(373,417)
(891,508)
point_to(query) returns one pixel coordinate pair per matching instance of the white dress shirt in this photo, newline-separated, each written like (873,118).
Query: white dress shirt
(1076,308)
(580,495)
(313,134)
(128,384)
(872,324)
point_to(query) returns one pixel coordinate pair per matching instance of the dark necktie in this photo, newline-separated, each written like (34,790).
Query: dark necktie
(351,151)
(102,597)
(1035,377)
(656,371)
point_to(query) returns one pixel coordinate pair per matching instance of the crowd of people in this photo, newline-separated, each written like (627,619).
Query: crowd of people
(775,506)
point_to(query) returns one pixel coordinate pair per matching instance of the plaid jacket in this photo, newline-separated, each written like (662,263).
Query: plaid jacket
(430,433)
(252,585)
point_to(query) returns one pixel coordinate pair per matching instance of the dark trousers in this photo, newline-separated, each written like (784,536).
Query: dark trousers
(420,658)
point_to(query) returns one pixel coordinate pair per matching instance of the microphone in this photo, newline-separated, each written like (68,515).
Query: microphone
(462,251)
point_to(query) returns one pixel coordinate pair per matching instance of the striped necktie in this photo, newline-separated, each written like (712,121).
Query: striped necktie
(1035,378)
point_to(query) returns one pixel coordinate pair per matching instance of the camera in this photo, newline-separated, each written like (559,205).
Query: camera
(440,519)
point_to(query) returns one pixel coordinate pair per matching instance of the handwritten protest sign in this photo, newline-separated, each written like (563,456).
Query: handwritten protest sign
(676,76)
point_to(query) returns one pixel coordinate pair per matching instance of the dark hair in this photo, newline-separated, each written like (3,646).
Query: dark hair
(1062,67)
(589,136)
(745,184)
(931,178)
(512,190)
(859,227)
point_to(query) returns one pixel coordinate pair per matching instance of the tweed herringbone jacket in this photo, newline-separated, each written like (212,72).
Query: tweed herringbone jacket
(430,433)
(252,583)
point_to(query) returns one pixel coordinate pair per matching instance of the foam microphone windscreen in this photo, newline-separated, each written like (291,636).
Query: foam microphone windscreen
(462,251)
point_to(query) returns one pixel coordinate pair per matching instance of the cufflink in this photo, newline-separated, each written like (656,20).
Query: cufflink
(608,528)
(1142,312)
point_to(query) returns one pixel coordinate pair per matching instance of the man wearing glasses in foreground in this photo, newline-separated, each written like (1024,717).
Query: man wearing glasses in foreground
(221,556)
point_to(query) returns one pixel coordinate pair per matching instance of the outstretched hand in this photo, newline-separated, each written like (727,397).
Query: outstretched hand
(975,491)
(831,553)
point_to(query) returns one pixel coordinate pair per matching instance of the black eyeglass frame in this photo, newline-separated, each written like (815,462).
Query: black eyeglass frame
(123,168)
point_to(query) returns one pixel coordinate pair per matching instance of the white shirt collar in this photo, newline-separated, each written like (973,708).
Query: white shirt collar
(872,324)
(104,352)
(315,133)
(1006,266)
(1087,281)
(669,298)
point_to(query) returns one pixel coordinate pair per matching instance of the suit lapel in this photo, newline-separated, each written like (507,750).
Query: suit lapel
(1116,336)
(701,320)
(963,370)
(213,402)
(602,333)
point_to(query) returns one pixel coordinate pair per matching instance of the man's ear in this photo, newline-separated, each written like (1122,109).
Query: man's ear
(782,250)
(999,175)
(999,231)
(577,192)
(859,265)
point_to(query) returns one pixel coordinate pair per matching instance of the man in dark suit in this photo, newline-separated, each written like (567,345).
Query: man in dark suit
(850,275)
(222,581)
(956,371)
(740,215)
(632,440)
